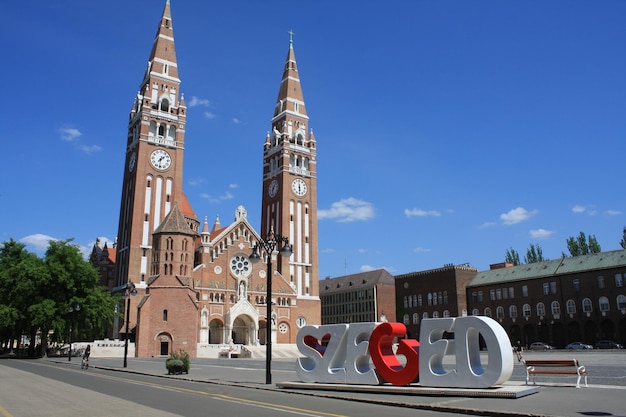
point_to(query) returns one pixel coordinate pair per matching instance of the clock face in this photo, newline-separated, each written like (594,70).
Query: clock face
(273,189)
(132,162)
(299,187)
(161,159)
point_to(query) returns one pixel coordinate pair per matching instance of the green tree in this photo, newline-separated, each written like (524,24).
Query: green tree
(35,294)
(534,254)
(622,242)
(512,257)
(582,245)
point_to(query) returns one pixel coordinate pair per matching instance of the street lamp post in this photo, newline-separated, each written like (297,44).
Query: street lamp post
(269,244)
(74,307)
(128,291)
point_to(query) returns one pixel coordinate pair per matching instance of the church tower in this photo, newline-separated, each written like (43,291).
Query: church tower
(153,172)
(289,204)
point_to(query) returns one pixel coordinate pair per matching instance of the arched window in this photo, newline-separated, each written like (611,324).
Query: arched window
(435,314)
(556,308)
(570,306)
(425,315)
(526,310)
(587,306)
(604,304)
(475,312)
(419,300)
(430,299)
(405,319)
(446,313)
(621,302)
(541,309)
(487,312)
(165,105)
(513,312)
(416,318)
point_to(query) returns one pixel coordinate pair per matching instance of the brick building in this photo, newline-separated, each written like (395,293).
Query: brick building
(573,299)
(431,294)
(364,297)
(196,288)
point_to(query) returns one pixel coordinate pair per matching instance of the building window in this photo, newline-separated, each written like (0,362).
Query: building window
(505,294)
(526,310)
(498,294)
(416,318)
(475,312)
(524,290)
(511,293)
(604,304)
(576,284)
(425,315)
(474,297)
(619,280)
(414,300)
(570,305)
(487,312)
(419,300)
(600,282)
(492,295)
(513,312)
(405,319)
(430,299)
(164,315)
(541,309)
(587,308)
(445,297)
(553,287)
(446,313)
(556,308)
(406,301)
(480,296)
(500,313)
(435,314)
(546,288)
(621,302)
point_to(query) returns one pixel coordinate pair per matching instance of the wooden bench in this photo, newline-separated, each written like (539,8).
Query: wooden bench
(555,367)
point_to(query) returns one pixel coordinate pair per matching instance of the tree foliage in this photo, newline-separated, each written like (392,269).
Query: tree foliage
(582,245)
(622,242)
(35,295)
(512,257)
(534,254)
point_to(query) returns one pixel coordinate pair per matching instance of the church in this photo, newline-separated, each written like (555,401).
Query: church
(198,287)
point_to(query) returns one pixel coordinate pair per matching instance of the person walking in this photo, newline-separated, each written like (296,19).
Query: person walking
(85,363)
(518,350)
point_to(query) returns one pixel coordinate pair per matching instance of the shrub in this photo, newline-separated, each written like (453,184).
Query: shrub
(177,362)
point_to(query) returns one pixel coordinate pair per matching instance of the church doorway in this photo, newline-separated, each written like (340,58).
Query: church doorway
(164,344)
(242,330)
(216,332)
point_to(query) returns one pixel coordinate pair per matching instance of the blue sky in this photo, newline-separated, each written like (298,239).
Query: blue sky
(447,131)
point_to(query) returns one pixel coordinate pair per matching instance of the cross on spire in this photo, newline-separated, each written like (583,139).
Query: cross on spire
(290,38)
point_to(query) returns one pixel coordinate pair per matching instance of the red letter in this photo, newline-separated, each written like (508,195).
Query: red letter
(387,365)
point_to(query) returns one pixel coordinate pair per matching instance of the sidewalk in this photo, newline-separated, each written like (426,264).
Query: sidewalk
(552,399)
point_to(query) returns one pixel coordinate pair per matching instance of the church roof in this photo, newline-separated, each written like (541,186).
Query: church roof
(175,222)
(187,209)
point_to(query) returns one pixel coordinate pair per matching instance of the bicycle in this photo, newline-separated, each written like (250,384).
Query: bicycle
(85,363)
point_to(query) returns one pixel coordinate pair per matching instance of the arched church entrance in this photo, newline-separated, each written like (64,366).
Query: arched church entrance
(164,344)
(242,331)
(216,332)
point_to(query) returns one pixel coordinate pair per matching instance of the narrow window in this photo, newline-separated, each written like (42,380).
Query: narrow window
(164,315)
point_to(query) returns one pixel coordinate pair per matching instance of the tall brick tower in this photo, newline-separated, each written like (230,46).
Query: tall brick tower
(289,206)
(153,173)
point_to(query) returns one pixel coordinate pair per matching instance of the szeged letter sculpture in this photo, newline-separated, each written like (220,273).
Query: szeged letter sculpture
(341,353)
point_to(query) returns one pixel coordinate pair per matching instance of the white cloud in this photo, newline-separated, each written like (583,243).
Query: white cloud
(38,241)
(487,224)
(366,268)
(236,121)
(420,249)
(415,212)
(232,186)
(541,233)
(89,149)
(209,115)
(348,210)
(613,212)
(517,215)
(218,199)
(194,182)
(69,134)
(578,209)
(196,101)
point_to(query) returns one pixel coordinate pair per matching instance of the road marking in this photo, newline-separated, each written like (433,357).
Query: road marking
(276,407)
(4,412)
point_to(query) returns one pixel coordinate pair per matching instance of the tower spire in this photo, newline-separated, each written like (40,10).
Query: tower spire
(162,59)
